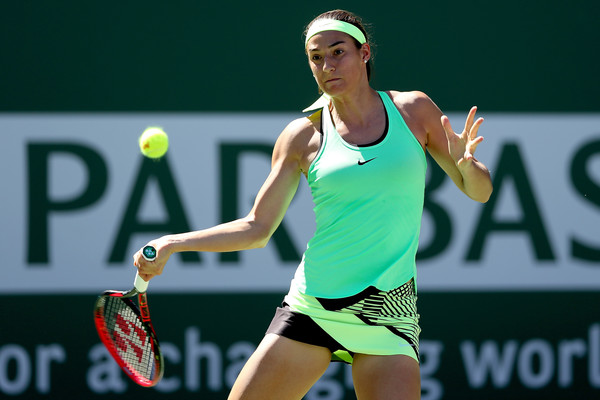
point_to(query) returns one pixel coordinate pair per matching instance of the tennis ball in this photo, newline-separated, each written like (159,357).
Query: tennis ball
(154,142)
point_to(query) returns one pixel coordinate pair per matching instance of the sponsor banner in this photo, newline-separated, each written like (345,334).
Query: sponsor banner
(473,346)
(78,200)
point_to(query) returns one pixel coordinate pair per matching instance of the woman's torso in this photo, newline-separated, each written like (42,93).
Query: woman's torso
(368,205)
(404,102)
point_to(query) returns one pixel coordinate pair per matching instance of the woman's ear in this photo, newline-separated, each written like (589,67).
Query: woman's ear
(365,52)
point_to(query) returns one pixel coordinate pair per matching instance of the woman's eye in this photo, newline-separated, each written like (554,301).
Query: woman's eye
(338,51)
(315,57)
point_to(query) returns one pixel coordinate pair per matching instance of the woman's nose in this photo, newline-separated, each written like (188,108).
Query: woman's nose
(328,64)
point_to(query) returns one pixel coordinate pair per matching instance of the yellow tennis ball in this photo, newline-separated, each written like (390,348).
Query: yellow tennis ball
(154,142)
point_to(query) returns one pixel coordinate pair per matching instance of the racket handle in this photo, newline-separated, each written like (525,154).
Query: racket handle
(140,284)
(149,253)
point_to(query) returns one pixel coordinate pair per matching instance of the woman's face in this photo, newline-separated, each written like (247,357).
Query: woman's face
(335,62)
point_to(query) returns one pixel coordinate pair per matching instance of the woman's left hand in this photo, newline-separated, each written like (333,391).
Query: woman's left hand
(462,146)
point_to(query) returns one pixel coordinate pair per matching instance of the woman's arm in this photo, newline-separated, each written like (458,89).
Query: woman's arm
(253,230)
(455,152)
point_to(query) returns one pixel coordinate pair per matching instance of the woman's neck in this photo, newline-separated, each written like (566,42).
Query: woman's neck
(359,117)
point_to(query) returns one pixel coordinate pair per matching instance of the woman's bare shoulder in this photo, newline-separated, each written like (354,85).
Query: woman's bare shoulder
(305,125)
(419,112)
(301,130)
(300,139)
(411,99)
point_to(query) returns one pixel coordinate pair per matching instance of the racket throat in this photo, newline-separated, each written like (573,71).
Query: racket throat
(144,309)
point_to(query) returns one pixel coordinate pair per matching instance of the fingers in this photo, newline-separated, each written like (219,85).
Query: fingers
(470,119)
(136,257)
(472,146)
(475,129)
(472,126)
(470,122)
(463,146)
(146,277)
(146,269)
(447,127)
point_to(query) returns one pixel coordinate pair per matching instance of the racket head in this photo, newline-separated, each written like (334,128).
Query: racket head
(129,338)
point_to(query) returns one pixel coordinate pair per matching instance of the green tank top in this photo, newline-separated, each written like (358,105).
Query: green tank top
(368,203)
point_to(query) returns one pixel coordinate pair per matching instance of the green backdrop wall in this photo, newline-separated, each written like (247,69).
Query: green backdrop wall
(515,55)
(512,55)
(473,346)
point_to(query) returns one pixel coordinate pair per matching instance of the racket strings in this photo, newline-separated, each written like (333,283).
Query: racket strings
(132,343)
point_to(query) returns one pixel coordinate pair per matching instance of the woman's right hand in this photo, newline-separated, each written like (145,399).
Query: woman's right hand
(149,269)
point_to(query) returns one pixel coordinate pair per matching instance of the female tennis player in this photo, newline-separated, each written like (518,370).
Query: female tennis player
(353,297)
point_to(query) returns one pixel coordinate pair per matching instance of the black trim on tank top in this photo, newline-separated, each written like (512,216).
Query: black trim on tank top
(321,130)
(385,131)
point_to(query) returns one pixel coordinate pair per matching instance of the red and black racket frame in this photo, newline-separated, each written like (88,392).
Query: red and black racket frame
(144,314)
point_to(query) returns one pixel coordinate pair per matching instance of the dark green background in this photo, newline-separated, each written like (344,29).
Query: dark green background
(450,318)
(514,55)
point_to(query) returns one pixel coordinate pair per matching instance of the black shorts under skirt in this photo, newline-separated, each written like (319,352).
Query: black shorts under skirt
(371,322)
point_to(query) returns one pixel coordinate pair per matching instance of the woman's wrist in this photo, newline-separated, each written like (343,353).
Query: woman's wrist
(169,244)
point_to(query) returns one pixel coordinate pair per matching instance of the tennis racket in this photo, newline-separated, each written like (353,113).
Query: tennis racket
(127,331)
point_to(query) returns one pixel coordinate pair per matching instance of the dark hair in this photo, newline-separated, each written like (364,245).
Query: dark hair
(347,16)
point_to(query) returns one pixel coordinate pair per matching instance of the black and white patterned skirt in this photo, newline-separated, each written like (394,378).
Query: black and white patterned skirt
(371,322)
